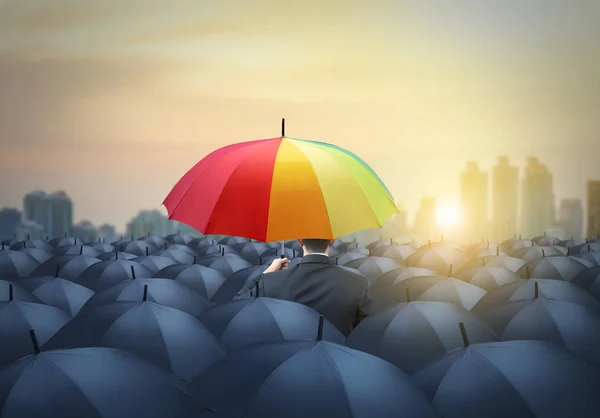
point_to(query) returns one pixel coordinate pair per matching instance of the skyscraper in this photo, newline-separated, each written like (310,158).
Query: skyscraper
(570,218)
(474,201)
(54,212)
(593,196)
(424,226)
(9,221)
(505,203)
(537,202)
(149,222)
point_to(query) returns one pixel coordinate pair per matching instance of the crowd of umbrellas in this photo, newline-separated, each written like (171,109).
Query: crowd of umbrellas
(151,327)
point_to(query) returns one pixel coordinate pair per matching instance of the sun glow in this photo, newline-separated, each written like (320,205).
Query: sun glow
(448,214)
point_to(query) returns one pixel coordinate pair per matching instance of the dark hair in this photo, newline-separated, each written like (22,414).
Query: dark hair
(316,245)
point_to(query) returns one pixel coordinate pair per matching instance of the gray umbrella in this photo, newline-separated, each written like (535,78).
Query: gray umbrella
(199,244)
(186,256)
(180,239)
(589,279)
(233,240)
(252,251)
(438,259)
(13,291)
(165,336)
(78,250)
(226,264)
(92,382)
(234,284)
(36,243)
(345,258)
(412,334)
(71,266)
(593,258)
(511,263)
(538,252)
(513,245)
(546,240)
(38,254)
(555,268)
(102,247)
(590,247)
(317,379)
(105,274)
(218,250)
(512,379)
(162,291)
(203,280)
(384,291)
(241,323)
(489,277)
(64,241)
(155,263)
(525,290)
(137,247)
(570,243)
(374,267)
(116,255)
(573,326)
(15,264)
(154,240)
(17,318)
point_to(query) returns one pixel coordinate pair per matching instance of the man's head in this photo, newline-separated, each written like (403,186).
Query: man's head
(315,245)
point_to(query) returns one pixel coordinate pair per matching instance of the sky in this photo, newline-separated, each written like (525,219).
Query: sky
(112,101)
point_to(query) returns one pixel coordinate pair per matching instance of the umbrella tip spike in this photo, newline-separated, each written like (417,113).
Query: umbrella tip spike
(463,332)
(10,292)
(145,296)
(407,294)
(536,291)
(320,328)
(257,288)
(34,341)
(132,273)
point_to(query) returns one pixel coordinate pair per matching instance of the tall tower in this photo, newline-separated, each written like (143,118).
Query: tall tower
(505,195)
(474,200)
(424,226)
(538,206)
(570,218)
(593,206)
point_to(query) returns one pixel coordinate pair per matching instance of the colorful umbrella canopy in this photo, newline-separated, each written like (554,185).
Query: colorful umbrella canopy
(281,188)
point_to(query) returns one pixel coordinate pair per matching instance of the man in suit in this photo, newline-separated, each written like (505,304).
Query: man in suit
(338,293)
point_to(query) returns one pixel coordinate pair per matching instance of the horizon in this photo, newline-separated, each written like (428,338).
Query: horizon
(125,98)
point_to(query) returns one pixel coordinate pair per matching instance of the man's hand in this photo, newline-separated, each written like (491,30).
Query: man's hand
(278,264)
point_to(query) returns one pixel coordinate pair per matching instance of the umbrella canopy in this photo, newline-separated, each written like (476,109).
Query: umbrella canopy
(137,247)
(167,337)
(512,379)
(233,241)
(538,252)
(181,239)
(397,252)
(203,280)
(489,277)
(570,243)
(318,379)
(102,247)
(555,268)
(241,323)
(116,255)
(590,247)
(593,258)
(39,255)
(412,334)
(525,290)
(227,264)
(15,264)
(589,279)
(438,259)
(35,243)
(239,280)
(60,293)
(546,240)
(511,263)
(155,263)
(78,250)
(573,326)
(91,382)
(64,241)
(155,240)
(105,274)
(70,266)
(281,188)
(17,318)
(252,251)
(384,291)
(181,256)
(13,291)
(345,258)
(162,291)
(512,245)
(374,267)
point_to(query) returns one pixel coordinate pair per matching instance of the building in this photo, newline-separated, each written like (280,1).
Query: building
(505,200)
(107,233)
(54,212)
(30,230)
(537,201)
(85,231)
(474,201)
(424,226)
(593,206)
(397,225)
(150,222)
(9,221)
(570,218)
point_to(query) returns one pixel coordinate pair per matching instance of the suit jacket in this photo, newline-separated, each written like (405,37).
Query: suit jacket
(338,293)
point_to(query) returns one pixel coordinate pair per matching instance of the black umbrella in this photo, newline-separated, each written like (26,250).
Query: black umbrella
(593,258)
(489,277)
(198,244)
(35,243)
(17,318)
(105,274)
(555,268)
(13,291)
(589,279)
(180,239)
(374,267)
(154,240)
(348,257)
(252,251)
(167,337)
(511,263)
(77,250)
(546,240)
(71,266)
(138,248)
(226,264)
(64,241)
(39,255)
(203,280)
(538,252)
(241,279)
(525,290)
(317,379)
(513,245)
(512,379)
(180,256)
(218,250)
(116,255)
(590,247)
(155,263)
(438,259)
(91,382)
(102,247)
(15,264)
(573,326)
(233,240)
(412,334)
(62,294)
(162,291)
(384,291)
(289,253)
(397,252)
(241,323)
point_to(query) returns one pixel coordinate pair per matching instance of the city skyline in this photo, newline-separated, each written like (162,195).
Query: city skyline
(124,97)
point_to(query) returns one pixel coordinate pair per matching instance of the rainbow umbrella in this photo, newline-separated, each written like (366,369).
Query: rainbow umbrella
(280,189)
